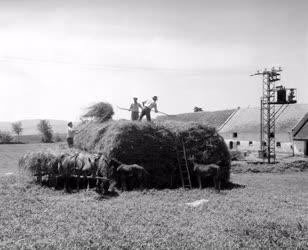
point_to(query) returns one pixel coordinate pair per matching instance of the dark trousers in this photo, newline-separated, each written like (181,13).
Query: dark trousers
(135,116)
(70,142)
(146,112)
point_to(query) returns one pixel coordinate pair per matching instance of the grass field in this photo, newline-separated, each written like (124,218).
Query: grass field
(270,212)
(35,139)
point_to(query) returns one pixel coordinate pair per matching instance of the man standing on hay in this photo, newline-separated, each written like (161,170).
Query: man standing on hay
(147,107)
(70,134)
(134,108)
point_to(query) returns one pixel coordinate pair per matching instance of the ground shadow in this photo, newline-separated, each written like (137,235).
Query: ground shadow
(107,196)
(231,185)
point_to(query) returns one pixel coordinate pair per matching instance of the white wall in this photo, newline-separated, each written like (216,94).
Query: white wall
(286,147)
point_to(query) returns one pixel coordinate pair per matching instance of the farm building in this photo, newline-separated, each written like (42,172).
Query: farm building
(300,133)
(241,127)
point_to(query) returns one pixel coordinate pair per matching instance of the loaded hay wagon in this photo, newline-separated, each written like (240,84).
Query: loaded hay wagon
(162,149)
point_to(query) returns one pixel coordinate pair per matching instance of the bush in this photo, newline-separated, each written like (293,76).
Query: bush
(5,137)
(197,109)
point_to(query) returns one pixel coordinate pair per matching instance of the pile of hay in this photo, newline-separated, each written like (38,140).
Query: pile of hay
(100,112)
(153,146)
(29,162)
(237,155)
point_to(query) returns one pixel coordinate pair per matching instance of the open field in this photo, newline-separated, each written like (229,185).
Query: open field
(36,138)
(269,212)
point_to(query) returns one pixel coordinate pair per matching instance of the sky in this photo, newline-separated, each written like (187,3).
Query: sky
(59,57)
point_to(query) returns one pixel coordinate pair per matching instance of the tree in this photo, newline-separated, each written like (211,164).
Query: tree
(45,129)
(17,129)
(5,137)
(197,109)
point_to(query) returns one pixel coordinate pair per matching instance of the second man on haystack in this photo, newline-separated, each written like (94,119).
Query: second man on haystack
(134,108)
(147,107)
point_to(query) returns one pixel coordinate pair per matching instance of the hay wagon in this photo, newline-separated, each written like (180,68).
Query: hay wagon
(162,149)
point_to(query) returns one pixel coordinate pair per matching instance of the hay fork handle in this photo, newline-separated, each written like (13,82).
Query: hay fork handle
(162,113)
(123,108)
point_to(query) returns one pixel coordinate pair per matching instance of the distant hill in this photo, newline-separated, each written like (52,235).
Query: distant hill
(30,126)
(213,118)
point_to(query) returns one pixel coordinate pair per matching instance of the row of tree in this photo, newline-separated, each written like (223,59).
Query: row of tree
(44,127)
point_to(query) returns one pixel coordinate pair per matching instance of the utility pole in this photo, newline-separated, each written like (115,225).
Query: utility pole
(272,96)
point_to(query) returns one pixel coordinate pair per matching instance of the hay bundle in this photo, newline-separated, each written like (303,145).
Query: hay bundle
(100,112)
(153,146)
(41,161)
(30,162)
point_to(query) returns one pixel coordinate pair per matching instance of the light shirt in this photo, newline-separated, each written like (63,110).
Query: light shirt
(151,104)
(135,107)
(70,132)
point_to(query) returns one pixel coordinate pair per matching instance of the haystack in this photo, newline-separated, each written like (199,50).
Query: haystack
(154,146)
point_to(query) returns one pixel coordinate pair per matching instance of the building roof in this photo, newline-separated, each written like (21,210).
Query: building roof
(214,118)
(246,122)
(300,131)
